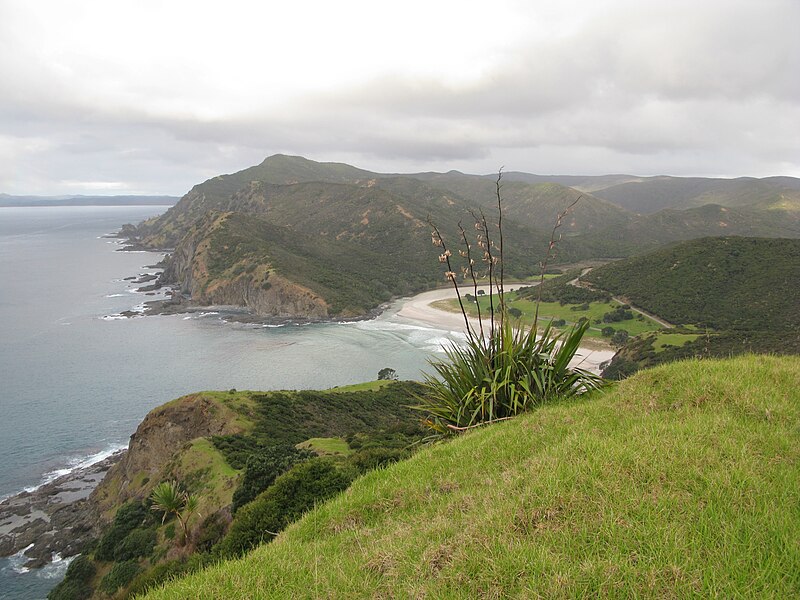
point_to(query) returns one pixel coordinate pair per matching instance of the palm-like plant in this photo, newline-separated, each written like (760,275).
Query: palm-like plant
(169,498)
(508,369)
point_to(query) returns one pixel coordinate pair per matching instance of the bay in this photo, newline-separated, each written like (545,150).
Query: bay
(75,380)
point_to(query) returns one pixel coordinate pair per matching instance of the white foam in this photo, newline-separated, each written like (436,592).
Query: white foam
(16,561)
(57,568)
(78,463)
(114,295)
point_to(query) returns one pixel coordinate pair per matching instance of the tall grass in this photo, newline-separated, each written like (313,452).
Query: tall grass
(508,369)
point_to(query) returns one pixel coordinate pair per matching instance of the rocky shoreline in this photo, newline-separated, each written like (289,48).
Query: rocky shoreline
(177,303)
(58,517)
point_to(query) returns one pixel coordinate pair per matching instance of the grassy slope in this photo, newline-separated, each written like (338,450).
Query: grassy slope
(680,481)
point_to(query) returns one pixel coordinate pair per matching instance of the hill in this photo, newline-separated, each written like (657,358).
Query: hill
(730,295)
(306,221)
(225,448)
(681,481)
(722,283)
(651,194)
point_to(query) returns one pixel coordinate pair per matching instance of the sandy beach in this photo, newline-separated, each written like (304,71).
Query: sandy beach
(418,309)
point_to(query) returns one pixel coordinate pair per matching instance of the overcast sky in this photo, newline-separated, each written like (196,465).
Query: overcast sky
(143,96)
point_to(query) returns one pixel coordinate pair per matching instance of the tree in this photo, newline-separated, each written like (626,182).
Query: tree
(607,331)
(168,498)
(620,337)
(387,374)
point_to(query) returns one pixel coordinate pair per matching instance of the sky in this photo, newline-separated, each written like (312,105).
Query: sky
(152,97)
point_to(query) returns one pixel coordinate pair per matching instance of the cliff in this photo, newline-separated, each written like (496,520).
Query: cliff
(206,267)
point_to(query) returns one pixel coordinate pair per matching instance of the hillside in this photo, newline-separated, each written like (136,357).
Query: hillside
(225,448)
(302,222)
(727,295)
(681,481)
(652,194)
(722,283)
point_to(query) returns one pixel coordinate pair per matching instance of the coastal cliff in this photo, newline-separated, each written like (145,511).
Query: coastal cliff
(210,267)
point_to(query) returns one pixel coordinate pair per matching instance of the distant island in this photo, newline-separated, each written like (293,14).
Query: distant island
(79,200)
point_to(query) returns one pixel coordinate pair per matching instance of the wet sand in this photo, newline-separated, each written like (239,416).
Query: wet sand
(419,310)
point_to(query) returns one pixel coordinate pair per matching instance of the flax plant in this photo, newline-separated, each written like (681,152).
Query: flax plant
(508,369)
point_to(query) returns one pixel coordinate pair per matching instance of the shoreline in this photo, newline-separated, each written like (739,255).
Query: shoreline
(418,309)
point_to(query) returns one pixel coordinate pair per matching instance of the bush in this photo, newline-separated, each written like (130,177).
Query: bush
(261,470)
(138,543)
(559,323)
(76,584)
(120,575)
(163,572)
(373,458)
(130,516)
(607,331)
(620,337)
(292,494)
(212,530)
(504,371)
(514,312)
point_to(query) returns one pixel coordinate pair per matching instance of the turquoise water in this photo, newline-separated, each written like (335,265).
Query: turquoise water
(75,381)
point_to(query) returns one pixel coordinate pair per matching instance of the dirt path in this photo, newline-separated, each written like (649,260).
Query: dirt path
(622,300)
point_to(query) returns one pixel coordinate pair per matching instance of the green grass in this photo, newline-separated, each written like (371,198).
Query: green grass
(554,310)
(327,446)
(664,339)
(680,481)
(368,386)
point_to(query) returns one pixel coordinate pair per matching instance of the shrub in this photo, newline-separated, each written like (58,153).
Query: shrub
(130,516)
(212,530)
(292,494)
(261,470)
(138,543)
(607,331)
(120,575)
(501,372)
(163,572)
(620,337)
(76,584)
(373,458)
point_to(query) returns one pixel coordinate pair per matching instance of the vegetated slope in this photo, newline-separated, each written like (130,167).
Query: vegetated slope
(533,204)
(681,481)
(652,194)
(383,220)
(672,225)
(722,283)
(213,444)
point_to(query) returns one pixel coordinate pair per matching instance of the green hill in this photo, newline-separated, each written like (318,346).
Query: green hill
(651,194)
(722,283)
(728,295)
(306,222)
(679,482)
(225,448)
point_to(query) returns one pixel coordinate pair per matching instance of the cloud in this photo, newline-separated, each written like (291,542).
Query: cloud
(157,97)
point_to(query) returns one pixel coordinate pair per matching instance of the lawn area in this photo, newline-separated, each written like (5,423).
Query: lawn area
(327,446)
(555,311)
(664,339)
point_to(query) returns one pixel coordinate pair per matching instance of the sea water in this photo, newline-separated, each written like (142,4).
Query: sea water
(76,377)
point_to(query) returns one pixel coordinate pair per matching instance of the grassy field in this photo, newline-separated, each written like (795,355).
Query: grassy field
(334,446)
(663,340)
(681,481)
(554,310)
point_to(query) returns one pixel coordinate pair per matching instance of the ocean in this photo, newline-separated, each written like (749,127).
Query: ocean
(76,378)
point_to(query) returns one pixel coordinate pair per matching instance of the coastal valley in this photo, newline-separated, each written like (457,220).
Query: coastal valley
(691,282)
